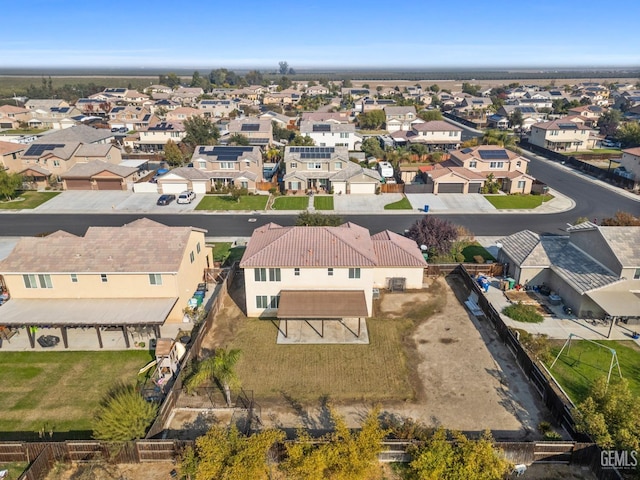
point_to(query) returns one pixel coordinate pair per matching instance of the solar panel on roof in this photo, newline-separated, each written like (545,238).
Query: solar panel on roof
(250,127)
(146,117)
(494,155)
(323,127)
(467,150)
(567,126)
(40,148)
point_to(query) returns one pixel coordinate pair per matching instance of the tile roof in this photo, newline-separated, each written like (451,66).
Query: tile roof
(132,248)
(393,110)
(632,151)
(10,147)
(89,169)
(624,242)
(94,150)
(436,126)
(348,245)
(78,133)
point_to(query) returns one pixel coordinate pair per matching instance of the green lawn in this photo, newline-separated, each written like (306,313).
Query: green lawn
(290,203)
(27,200)
(403,204)
(474,249)
(595,151)
(323,202)
(26,131)
(517,201)
(59,390)
(226,202)
(576,369)
(15,469)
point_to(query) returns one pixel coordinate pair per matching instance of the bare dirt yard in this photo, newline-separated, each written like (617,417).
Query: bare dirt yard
(107,471)
(428,359)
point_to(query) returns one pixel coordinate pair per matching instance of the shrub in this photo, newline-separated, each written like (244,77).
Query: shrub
(523,313)
(123,415)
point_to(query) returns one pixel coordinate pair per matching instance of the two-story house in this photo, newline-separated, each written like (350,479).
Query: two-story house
(561,136)
(240,166)
(400,118)
(11,116)
(317,90)
(187,95)
(10,154)
(155,137)
(258,131)
(181,114)
(595,270)
(325,169)
(110,277)
(324,272)
(630,164)
(436,135)
(131,117)
(331,134)
(218,108)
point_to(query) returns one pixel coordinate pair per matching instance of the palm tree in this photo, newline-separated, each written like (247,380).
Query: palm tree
(220,367)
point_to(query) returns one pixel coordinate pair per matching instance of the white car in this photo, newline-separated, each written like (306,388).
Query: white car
(186,197)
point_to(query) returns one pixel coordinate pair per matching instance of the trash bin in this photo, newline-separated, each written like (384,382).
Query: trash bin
(512,283)
(426,208)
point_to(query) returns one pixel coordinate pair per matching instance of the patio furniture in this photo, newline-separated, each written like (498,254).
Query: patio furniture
(46,341)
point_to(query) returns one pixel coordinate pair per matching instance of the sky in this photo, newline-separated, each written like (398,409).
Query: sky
(245,34)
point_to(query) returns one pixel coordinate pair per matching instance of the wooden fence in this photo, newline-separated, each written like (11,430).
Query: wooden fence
(266,186)
(489,269)
(171,399)
(43,456)
(391,188)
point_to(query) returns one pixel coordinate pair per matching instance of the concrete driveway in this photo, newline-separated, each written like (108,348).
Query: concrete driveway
(451,202)
(110,201)
(364,203)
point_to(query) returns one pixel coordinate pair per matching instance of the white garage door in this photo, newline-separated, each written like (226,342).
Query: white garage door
(200,188)
(174,187)
(363,188)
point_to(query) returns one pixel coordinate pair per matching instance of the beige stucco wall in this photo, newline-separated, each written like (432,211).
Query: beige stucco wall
(413,275)
(309,279)
(512,185)
(631,163)
(190,274)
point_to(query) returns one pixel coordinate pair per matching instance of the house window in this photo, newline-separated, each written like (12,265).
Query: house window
(192,257)
(497,165)
(452,134)
(330,271)
(274,301)
(226,165)
(244,184)
(56,163)
(155,279)
(518,163)
(274,274)
(521,184)
(314,166)
(29,281)
(103,278)
(296,272)
(74,278)
(45,281)
(636,274)
(344,134)
(293,165)
(473,164)
(260,274)
(198,247)
(202,164)
(354,273)
(261,301)
(337,165)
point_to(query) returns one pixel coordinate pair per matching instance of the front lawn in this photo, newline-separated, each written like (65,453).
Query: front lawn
(473,250)
(290,203)
(226,253)
(403,204)
(579,366)
(27,200)
(517,201)
(226,202)
(59,391)
(323,202)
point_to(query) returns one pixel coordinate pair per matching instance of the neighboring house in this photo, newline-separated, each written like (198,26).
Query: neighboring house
(155,137)
(10,116)
(180,114)
(561,136)
(258,131)
(285,97)
(630,162)
(529,115)
(158,89)
(587,111)
(44,103)
(110,277)
(93,106)
(187,95)
(368,104)
(324,272)
(473,104)
(400,118)
(218,108)
(596,270)
(355,93)
(10,154)
(440,179)
(317,90)
(437,135)
(98,175)
(240,166)
(131,117)
(326,169)
(184,178)
(336,117)
(282,120)
(331,134)
(133,97)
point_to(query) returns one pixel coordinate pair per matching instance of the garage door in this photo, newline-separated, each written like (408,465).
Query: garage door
(111,184)
(475,187)
(362,188)
(174,187)
(78,184)
(199,188)
(451,188)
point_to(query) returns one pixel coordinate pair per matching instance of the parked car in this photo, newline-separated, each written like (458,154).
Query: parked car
(165,199)
(186,197)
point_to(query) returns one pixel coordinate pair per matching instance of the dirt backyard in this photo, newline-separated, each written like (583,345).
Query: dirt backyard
(456,371)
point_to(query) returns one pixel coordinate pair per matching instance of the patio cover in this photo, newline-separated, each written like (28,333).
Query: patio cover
(322,304)
(86,312)
(617,304)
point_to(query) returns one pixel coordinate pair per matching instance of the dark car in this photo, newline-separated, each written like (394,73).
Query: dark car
(165,199)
